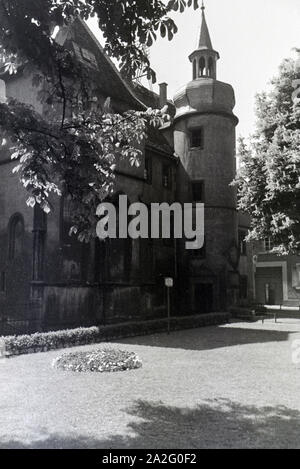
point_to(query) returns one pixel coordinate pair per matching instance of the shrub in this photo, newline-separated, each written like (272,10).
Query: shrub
(37,342)
(43,341)
(100,360)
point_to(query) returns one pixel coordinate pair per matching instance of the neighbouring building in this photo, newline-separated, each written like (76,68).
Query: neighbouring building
(49,280)
(277,278)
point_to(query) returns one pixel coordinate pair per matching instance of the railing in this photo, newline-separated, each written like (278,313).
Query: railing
(277,309)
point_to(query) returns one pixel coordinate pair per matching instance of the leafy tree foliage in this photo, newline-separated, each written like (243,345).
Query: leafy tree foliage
(269,177)
(74,146)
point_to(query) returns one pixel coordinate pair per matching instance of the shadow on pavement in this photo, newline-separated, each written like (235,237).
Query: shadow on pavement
(209,338)
(218,423)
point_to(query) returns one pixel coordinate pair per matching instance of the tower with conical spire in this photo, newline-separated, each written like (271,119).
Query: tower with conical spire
(204,58)
(204,140)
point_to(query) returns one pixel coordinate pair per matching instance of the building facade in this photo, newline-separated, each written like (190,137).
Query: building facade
(49,280)
(204,139)
(277,278)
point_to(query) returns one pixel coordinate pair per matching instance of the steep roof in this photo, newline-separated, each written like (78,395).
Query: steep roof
(204,39)
(78,36)
(110,81)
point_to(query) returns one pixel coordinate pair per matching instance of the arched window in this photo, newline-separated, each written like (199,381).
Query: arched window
(66,221)
(75,253)
(118,250)
(210,67)
(16,236)
(202,67)
(194,69)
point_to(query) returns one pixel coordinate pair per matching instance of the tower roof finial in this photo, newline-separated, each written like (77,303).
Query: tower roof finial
(204,40)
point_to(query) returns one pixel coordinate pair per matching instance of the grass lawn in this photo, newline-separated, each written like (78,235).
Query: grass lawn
(216,387)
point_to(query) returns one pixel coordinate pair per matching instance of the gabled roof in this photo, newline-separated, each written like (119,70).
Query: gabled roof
(78,37)
(109,80)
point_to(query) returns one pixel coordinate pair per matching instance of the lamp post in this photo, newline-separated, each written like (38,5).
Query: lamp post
(169,283)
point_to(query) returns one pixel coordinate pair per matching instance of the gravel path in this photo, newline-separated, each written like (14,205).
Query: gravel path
(218,387)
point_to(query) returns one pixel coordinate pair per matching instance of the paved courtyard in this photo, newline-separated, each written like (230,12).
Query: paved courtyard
(217,387)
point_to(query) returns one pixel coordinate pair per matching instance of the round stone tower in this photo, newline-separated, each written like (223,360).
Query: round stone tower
(204,140)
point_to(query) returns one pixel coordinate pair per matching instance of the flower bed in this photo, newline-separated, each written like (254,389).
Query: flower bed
(100,360)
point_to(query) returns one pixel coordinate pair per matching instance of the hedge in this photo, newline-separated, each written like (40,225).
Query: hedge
(44,341)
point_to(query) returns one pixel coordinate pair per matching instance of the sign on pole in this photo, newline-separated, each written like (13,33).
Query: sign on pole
(169,283)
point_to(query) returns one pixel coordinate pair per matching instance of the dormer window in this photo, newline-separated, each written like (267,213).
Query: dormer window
(88,56)
(84,55)
(196,138)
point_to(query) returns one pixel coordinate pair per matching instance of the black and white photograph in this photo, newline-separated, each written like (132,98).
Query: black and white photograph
(149,228)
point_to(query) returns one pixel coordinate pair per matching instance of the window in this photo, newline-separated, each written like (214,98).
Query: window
(296,276)
(242,243)
(127,252)
(148,169)
(202,67)
(88,56)
(169,242)
(167,176)
(200,253)
(298,273)
(197,138)
(66,220)
(198,191)
(84,55)
(268,244)
(16,236)
(210,67)
(3,282)
(243,287)
(194,70)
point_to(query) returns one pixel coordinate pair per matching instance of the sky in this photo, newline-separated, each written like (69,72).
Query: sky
(252,38)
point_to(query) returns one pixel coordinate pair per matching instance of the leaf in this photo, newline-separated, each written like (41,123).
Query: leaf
(163,30)
(149,40)
(31,202)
